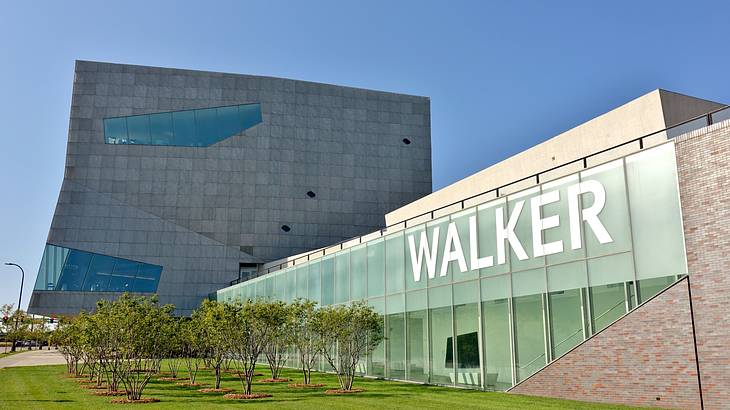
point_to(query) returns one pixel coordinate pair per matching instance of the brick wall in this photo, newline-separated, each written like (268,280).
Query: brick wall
(703,161)
(648,354)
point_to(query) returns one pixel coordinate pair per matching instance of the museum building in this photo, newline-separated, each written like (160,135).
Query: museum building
(592,266)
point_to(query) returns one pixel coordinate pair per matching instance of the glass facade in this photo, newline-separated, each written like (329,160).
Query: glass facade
(190,128)
(489,295)
(64,269)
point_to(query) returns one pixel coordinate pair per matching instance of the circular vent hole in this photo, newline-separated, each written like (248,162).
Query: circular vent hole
(285,228)
(406,141)
(311,194)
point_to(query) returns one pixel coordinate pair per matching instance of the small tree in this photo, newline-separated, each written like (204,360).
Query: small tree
(172,335)
(215,320)
(253,326)
(305,337)
(192,347)
(278,318)
(348,333)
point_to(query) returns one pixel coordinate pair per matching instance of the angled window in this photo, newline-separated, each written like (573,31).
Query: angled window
(64,269)
(189,128)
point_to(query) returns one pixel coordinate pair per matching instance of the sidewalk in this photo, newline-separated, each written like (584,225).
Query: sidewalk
(32,358)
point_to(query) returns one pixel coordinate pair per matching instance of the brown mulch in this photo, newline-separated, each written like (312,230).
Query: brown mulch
(215,390)
(94,387)
(257,374)
(109,393)
(171,379)
(75,376)
(274,380)
(188,384)
(84,381)
(238,396)
(340,391)
(140,401)
(305,386)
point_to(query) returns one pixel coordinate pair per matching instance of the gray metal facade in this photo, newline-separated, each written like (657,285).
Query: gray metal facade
(200,211)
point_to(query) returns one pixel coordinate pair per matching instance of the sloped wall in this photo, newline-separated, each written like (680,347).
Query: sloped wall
(646,358)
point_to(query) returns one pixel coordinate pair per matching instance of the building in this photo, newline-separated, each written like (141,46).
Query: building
(179,182)
(592,266)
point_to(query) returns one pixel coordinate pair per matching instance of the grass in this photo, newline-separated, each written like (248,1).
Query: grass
(46,387)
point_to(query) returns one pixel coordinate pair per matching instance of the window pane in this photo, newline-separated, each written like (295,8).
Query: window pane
(567,325)
(606,277)
(184,127)
(614,215)
(302,273)
(461,221)
(655,213)
(562,231)
(523,230)
(376,361)
(376,268)
(417,318)
(74,271)
(314,283)
(487,225)
(496,317)
(250,115)
(395,337)
(414,235)
(650,287)
(115,130)
(466,322)
(328,280)
(394,263)
(138,128)
(442,342)
(97,278)
(206,127)
(279,285)
(291,285)
(527,288)
(358,272)
(123,278)
(229,123)
(342,277)
(442,225)
(161,129)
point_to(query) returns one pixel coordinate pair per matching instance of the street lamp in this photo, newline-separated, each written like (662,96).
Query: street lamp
(20,298)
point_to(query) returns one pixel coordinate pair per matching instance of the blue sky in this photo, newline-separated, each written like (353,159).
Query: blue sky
(502,76)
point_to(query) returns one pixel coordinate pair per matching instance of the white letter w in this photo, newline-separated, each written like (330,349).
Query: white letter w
(417,261)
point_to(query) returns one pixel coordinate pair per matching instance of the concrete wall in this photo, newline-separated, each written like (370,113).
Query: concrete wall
(649,113)
(650,352)
(201,211)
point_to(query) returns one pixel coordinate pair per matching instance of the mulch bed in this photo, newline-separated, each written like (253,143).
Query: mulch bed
(140,401)
(94,387)
(305,386)
(74,376)
(215,390)
(274,380)
(238,396)
(84,381)
(340,391)
(109,393)
(171,379)
(187,384)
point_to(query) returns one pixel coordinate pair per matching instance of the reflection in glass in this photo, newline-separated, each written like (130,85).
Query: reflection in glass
(442,341)
(417,338)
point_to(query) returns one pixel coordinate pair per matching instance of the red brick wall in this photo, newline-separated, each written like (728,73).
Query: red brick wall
(647,354)
(703,161)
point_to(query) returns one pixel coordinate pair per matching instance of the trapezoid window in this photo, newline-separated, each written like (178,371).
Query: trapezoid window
(65,269)
(189,128)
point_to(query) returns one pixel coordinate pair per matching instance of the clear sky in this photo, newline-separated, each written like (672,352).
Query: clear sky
(502,75)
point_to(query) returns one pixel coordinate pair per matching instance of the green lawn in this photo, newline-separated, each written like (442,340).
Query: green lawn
(45,387)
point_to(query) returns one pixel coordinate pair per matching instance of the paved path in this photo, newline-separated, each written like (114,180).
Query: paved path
(32,358)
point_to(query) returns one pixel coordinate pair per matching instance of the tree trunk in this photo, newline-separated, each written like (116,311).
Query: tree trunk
(218,376)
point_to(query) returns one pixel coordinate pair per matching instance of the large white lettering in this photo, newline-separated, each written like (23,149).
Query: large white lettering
(589,215)
(540,224)
(455,254)
(508,233)
(475,261)
(424,251)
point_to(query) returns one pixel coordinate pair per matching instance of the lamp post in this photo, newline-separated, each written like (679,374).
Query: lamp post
(20,298)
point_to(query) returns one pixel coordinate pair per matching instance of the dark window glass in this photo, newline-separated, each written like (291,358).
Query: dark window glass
(74,271)
(229,123)
(206,126)
(161,129)
(97,278)
(183,123)
(138,128)
(250,115)
(115,130)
